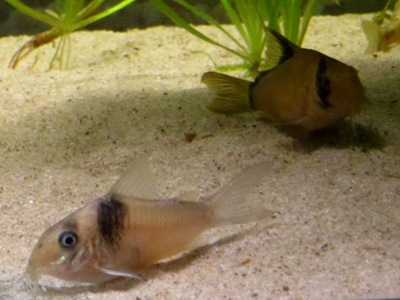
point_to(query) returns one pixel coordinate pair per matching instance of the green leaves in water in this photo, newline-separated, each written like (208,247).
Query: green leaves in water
(383,31)
(67,16)
(249,17)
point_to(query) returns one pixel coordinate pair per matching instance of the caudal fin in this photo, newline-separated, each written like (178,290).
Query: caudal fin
(230,205)
(231,93)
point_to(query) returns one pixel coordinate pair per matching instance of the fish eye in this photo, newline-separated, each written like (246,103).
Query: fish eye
(68,239)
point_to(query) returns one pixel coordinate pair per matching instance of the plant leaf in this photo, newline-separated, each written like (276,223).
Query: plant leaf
(34,13)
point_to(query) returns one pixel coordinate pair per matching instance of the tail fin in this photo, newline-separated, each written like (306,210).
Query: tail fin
(230,205)
(231,94)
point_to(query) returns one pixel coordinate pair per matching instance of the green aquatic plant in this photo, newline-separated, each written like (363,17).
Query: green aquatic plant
(383,31)
(249,17)
(67,17)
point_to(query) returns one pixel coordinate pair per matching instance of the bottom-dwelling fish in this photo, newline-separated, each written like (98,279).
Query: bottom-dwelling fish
(127,229)
(306,88)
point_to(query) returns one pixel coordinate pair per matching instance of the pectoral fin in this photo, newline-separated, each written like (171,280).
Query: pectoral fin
(120,273)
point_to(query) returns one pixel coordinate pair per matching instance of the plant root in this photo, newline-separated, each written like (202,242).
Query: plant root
(35,42)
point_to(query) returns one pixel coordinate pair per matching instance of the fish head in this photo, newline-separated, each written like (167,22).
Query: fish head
(344,91)
(69,250)
(338,94)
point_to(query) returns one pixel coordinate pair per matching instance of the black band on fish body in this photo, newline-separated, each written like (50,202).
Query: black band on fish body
(322,84)
(110,219)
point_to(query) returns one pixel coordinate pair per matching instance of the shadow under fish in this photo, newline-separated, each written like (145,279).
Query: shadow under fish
(344,135)
(306,89)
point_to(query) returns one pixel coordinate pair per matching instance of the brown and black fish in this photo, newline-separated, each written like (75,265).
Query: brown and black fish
(306,88)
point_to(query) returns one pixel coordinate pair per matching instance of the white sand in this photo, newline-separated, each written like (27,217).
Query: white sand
(66,136)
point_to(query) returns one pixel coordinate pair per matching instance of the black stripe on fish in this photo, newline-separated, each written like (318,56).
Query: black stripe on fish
(322,84)
(111,215)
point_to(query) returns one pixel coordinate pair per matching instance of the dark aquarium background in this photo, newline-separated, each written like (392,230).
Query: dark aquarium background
(142,14)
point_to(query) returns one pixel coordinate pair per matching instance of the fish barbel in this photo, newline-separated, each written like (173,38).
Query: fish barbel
(128,229)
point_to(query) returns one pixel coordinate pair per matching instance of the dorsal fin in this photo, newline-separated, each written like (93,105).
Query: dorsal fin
(137,181)
(279,48)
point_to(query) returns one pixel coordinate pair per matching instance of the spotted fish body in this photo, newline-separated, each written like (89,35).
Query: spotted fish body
(306,88)
(121,233)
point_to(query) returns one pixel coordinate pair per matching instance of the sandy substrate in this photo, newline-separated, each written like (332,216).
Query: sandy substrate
(66,136)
